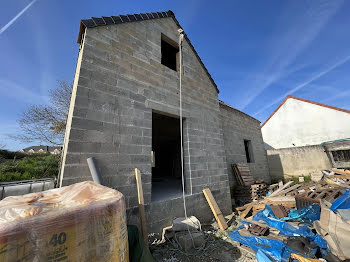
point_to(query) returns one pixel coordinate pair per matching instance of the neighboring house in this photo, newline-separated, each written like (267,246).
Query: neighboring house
(55,150)
(124,111)
(299,122)
(294,135)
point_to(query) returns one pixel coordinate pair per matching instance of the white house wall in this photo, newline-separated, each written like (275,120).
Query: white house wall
(299,123)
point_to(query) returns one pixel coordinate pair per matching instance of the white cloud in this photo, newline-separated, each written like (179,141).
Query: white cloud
(300,86)
(339,95)
(297,32)
(5,27)
(19,93)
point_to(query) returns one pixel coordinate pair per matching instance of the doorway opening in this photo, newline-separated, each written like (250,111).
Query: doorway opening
(166,164)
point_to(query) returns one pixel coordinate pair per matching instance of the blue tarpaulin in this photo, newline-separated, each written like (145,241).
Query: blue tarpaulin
(307,214)
(270,249)
(342,202)
(262,257)
(290,230)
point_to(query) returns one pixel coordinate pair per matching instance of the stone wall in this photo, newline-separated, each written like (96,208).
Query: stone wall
(297,161)
(238,127)
(119,82)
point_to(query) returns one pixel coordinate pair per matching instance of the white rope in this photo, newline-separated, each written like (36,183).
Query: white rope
(189,159)
(181,37)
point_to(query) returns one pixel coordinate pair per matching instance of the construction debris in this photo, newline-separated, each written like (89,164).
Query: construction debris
(183,224)
(281,225)
(258,230)
(280,211)
(257,206)
(259,190)
(247,189)
(303,221)
(334,227)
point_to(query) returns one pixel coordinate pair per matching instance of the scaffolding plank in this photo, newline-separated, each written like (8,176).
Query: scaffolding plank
(215,209)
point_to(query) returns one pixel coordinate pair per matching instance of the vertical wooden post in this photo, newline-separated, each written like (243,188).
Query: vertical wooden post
(141,206)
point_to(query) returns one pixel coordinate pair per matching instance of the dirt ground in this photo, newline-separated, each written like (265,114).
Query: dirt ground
(218,247)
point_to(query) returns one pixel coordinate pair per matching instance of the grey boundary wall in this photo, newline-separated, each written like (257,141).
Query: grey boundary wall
(297,161)
(119,82)
(237,127)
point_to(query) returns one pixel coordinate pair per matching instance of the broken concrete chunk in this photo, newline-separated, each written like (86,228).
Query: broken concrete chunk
(182,224)
(189,241)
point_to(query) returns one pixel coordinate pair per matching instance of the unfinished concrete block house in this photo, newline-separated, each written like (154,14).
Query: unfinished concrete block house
(125,112)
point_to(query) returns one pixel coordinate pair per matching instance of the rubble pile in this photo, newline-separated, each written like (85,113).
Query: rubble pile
(299,222)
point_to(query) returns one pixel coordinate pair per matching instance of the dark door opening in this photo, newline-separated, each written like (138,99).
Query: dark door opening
(166,170)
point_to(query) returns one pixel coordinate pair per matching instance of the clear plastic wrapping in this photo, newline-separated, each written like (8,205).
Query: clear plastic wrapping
(81,222)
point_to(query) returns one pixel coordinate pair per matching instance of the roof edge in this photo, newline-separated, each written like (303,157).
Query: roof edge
(95,22)
(235,109)
(307,101)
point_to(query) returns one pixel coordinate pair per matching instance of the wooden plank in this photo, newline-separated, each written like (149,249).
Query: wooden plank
(287,190)
(141,206)
(246,211)
(215,209)
(278,191)
(257,208)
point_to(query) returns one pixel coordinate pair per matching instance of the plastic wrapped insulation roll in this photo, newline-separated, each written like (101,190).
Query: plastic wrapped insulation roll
(81,222)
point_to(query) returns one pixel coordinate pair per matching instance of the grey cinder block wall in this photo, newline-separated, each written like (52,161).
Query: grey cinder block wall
(237,127)
(119,82)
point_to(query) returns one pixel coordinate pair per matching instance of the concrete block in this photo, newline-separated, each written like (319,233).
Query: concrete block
(189,241)
(183,224)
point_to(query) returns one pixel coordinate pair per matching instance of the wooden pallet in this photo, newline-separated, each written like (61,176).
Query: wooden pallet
(242,174)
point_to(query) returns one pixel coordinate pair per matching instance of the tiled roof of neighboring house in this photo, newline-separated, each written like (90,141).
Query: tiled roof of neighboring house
(235,109)
(109,20)
(308,101)
(45,148)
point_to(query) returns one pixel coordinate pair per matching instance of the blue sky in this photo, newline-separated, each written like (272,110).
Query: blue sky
(256,51)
